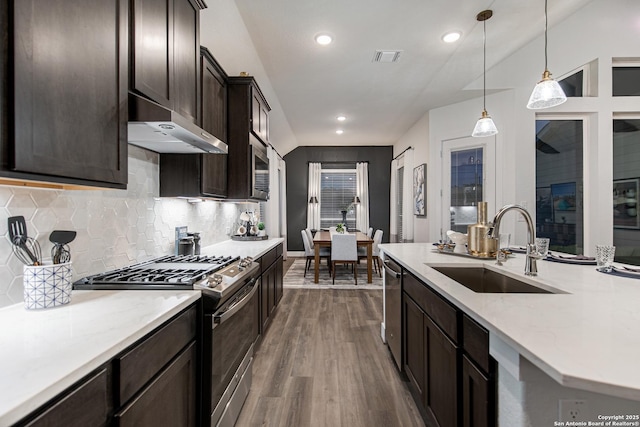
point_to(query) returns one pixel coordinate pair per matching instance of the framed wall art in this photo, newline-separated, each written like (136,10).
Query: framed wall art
(419,190)
(625,197)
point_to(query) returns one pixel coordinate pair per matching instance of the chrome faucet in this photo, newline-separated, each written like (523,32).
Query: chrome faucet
(530,267)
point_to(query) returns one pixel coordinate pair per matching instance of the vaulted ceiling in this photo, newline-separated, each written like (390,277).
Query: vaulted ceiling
(381,101)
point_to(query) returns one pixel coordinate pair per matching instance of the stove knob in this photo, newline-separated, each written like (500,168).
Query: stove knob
(214,280)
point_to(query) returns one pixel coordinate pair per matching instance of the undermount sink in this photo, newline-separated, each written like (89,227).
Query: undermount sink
(483,280)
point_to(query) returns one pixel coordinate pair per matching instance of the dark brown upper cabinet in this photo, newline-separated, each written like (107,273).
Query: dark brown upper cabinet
(213,95)
(201,175)
(248,108)
(165,53)
(248,164)
(63,92)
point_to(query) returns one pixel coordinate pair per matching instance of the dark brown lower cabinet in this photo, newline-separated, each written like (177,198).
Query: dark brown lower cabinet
(441,376)
(414,345)
(152,383)
(477,397)
(446,359)
(170,398)
(88,403)
(271,287)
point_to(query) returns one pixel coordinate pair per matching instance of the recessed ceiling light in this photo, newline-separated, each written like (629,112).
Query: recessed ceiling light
(339,131)
(451,37)
(341,118)
(323,39)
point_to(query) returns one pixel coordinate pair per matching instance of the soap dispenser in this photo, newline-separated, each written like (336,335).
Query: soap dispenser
(479,243)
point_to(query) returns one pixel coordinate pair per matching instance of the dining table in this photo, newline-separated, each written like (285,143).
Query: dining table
(323,239)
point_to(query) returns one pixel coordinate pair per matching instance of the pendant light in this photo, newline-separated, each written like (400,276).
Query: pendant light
(547,93)
(485,125)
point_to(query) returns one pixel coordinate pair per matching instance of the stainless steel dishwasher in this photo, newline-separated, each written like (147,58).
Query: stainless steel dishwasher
(393,309)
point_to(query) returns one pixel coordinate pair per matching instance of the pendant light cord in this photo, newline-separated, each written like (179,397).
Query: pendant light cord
(484,65)
(545,35)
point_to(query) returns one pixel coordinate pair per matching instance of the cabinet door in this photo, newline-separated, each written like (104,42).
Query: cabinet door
(214,100)
(169,400)
(264,305)
(441,376)
(278,281)
(264,123)
(414,344)
(214,175)
(477,397)
(70,89)
(255,113)
(152,56)
(88,404)
(186,57)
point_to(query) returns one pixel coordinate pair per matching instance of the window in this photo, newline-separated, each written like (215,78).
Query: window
(337,191)
(559,184)
(626,81)
(572,85)
(626,178)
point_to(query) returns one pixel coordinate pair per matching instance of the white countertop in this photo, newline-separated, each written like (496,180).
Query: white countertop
(46,351)
(587,338)
(43,352)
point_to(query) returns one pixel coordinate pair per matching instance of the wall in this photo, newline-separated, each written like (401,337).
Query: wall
(600,31)
(115,227)
(418,138)
(379,159)
(223,32)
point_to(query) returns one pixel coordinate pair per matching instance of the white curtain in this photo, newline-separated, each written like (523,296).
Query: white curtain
(313,209)
(393,210)
(362,191)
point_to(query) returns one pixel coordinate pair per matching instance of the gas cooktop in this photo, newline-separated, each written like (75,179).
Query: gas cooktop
(168,272)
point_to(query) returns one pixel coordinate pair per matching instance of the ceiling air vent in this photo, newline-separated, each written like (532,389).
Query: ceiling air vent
(386,55)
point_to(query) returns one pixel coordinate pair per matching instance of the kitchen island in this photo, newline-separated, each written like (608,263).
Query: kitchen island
(44,352)
(581,343)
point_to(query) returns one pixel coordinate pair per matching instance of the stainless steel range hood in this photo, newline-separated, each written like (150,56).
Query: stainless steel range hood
(159,129)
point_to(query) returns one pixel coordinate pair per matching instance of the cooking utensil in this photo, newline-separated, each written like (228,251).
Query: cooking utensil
(25,248)
(61,253)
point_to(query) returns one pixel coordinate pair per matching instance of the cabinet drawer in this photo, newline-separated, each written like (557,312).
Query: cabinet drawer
(476,342)
(268,259)
(169,400)
(442,313)
(88,404)
(146,359)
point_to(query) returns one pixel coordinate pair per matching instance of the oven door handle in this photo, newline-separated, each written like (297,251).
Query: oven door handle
(233,309)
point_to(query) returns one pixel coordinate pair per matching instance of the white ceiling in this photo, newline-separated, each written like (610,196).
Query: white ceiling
(314,84)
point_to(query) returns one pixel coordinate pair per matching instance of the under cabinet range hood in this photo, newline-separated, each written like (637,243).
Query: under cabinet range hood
(159,129)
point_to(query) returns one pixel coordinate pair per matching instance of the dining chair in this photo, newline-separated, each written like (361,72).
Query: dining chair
(344,251)
(370,232)
(375,252)
(310,253)
(309,236)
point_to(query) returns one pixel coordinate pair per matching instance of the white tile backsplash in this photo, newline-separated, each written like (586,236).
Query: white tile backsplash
(115,227)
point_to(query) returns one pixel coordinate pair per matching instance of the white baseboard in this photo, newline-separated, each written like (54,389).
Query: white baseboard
(295,254)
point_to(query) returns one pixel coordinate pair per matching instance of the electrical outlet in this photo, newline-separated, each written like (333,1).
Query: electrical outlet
(227,231)
(573,410)
(524,205)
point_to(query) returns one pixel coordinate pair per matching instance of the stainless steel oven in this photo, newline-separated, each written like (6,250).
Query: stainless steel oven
(229,334)
(259,171)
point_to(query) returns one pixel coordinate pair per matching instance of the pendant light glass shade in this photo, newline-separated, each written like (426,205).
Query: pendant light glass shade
(547,93)
(485,125)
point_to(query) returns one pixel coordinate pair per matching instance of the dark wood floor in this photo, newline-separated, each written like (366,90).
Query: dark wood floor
(322,363)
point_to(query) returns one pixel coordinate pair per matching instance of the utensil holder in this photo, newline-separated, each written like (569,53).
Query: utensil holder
(47,286)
